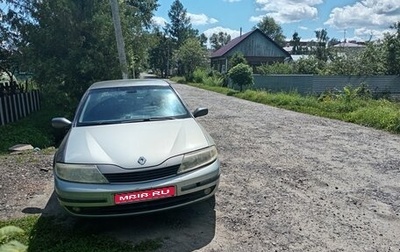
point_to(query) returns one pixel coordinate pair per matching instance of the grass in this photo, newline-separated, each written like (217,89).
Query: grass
(34,129)
(47,234)
(379,114)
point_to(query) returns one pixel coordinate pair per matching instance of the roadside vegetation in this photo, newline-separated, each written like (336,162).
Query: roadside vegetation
(35,129)
(352,104)
(48,234)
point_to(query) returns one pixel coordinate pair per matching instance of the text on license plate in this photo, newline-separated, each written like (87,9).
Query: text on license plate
(149,194)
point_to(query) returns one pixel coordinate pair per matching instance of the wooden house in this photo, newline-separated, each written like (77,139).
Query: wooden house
(256,47)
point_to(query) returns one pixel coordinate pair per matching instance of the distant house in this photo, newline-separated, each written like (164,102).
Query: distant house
(349,48)
(256,47)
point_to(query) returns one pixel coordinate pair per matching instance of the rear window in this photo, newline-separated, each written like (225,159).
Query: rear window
(131,104)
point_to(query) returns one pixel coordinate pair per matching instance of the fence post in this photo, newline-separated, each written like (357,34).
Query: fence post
(1,111)
(15,107)
(6,110)
(38,99)
(23,104)
(19,102)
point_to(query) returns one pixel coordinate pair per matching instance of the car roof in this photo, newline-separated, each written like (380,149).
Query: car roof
(128,83)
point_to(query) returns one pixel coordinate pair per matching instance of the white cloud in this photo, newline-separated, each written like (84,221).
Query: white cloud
(159,21)
(366,16)
(232,1)
(256,19)
(303,28)
(367,34)
(218,29)
(288,11)
(201,19)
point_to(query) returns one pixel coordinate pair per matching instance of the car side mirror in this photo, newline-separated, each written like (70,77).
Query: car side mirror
(60,122)
(200,112)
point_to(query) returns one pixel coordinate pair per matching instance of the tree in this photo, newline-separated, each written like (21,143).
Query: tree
(236,59)
(295,43)
(272,29)
(218,40)
(333,42)
(392,50)
(321,51)
(276,68)
(371,60)
(203,40)
(191,55)
(180,27)
(160,54)
(10,39)
(241,75)
(69,44)
(309,65)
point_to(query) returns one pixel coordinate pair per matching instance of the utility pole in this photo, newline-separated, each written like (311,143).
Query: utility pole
(119,38)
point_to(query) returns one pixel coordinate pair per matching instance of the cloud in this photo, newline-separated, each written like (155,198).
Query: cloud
(367,34)
(159,21)
(232,1)
(288,11)
(366,16)
(303,28)
(218,29)
(201,19)
(256,19)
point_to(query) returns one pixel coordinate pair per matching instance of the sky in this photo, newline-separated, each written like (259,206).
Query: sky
(359,20)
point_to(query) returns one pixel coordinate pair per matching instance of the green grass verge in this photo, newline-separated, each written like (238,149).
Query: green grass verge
(379,114)
(34,129)
(47,234)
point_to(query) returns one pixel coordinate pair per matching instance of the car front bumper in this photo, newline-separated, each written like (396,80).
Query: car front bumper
(97,200)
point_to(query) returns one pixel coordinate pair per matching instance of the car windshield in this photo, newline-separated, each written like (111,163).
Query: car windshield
(130,104)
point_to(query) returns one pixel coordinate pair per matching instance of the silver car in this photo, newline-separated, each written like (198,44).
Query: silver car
(133,147)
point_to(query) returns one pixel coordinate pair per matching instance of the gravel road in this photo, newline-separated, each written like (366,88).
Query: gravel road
(290,182)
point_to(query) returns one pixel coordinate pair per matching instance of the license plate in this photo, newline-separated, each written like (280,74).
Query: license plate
(150,194)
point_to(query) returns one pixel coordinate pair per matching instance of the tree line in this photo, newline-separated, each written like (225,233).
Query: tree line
(69,44)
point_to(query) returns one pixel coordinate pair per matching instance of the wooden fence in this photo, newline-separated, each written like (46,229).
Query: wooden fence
(18,105)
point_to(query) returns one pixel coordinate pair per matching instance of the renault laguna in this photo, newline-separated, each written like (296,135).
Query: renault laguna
(133,147)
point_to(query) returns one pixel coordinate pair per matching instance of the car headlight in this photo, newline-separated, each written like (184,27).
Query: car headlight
(197,159)
(81,173)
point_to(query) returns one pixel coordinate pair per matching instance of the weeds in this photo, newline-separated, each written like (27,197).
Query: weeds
(48,234)
(352,104)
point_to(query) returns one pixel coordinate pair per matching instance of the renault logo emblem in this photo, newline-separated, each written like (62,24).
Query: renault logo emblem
(141,160)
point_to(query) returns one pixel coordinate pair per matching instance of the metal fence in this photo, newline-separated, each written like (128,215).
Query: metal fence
(315,84)
(18,105)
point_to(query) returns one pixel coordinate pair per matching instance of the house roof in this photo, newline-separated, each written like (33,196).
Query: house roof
(234,42)
(348,45)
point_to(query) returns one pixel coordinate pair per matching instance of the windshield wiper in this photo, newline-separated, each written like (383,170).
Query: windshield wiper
(98,123)
(149,119)
(162,118)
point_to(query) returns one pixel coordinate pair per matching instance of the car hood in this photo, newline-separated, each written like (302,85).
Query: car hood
(124,144)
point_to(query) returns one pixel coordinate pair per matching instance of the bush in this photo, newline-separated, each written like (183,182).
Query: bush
(213,81)
(277,68)
(179,79)
(11,245)
(34,129)
(241,75)
(199,75)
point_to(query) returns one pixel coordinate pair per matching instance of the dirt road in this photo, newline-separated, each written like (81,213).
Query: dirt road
(290,182)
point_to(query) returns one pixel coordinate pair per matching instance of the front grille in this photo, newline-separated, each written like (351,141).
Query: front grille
(141,176)
(141,207)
